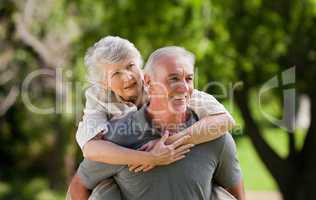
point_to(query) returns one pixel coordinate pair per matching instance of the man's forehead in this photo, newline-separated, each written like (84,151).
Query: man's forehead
(176,65)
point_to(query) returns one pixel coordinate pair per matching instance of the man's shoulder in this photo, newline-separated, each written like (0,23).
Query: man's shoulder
(200,94)
(226,145)
(225,141)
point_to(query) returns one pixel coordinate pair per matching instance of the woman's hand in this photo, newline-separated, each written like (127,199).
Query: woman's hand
(149,145)
(162,154)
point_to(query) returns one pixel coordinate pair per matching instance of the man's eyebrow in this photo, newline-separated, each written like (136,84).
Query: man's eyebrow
(174,74)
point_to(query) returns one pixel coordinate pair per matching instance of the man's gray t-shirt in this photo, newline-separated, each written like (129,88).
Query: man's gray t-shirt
(190,178)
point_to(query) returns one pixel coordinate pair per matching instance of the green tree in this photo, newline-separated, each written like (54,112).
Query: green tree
(268,38)
(234,40)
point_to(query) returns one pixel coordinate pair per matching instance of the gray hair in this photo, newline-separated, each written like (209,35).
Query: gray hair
(110,49)
(167,51)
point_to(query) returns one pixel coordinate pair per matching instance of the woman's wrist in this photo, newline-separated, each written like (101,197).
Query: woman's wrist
(146,158)
(175,137)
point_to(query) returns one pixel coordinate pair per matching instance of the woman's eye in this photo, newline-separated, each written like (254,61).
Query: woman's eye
(130,66)
(116,74)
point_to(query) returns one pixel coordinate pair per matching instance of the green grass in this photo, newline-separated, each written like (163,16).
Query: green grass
(255,175)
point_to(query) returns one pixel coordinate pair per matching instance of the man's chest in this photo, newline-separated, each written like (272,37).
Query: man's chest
(194,173)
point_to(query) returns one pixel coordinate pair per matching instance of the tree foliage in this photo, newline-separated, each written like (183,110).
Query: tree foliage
(234,40)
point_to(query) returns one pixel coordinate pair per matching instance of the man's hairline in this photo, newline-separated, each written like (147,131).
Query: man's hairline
(153,67)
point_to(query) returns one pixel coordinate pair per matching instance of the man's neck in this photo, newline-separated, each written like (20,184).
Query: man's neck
(164,119)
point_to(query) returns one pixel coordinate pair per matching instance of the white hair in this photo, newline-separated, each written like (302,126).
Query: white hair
(178,52)
(110,49)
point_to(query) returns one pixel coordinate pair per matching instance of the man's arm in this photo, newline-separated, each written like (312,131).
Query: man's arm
(237,191)
(77,189)
(228,172)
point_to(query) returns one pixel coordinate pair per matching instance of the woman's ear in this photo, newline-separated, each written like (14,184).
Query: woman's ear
(104,84)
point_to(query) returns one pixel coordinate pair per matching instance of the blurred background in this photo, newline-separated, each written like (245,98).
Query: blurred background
(257,57)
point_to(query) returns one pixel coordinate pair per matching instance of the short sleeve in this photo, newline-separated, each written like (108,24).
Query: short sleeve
(91,172)
(94,120)
(204,104)
(101,107)
(228,172)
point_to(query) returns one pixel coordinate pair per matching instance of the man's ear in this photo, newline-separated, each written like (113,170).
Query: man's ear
(147,80)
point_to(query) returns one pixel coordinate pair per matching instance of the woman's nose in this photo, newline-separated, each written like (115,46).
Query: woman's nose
(127,76)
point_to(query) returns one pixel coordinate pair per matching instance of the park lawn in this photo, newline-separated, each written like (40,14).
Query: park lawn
(256,176)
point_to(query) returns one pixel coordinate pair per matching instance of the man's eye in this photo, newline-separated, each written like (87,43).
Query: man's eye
(174,79)
(189,79)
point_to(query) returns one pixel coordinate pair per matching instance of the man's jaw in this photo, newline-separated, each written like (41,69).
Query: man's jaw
(178,103)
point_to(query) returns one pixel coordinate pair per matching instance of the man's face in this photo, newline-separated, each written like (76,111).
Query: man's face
(124,78)
(172,83)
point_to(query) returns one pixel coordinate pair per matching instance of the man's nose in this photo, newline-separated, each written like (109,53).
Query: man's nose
(182,87)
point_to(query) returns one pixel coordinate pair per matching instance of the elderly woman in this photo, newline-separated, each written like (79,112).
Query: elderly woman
(114,66)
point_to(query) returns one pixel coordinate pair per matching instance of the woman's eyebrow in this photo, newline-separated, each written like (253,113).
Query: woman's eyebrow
(114,72)
(130,63)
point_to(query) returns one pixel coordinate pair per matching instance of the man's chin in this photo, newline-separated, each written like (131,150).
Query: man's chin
(179,108)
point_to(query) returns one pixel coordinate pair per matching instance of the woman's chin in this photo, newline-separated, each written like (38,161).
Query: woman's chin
(131,94)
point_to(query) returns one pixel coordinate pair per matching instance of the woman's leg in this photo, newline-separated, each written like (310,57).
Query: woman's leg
(106,190)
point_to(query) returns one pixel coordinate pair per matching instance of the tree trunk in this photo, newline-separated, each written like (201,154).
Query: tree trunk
(295,175)
(300,186)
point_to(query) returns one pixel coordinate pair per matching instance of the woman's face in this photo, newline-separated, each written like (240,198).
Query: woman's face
(125,79)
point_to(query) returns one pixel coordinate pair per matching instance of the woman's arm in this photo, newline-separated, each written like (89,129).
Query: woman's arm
(214,122)
(206,129)
(108,152)
(161,154)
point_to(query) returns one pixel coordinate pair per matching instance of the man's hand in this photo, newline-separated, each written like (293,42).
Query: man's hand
(163,154)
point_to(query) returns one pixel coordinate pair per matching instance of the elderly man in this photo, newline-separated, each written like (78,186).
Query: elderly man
(169,78)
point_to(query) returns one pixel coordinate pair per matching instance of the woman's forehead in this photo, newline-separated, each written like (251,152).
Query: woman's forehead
(112,67)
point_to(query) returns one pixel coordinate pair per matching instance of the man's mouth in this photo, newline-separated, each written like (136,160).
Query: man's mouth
(180,98)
